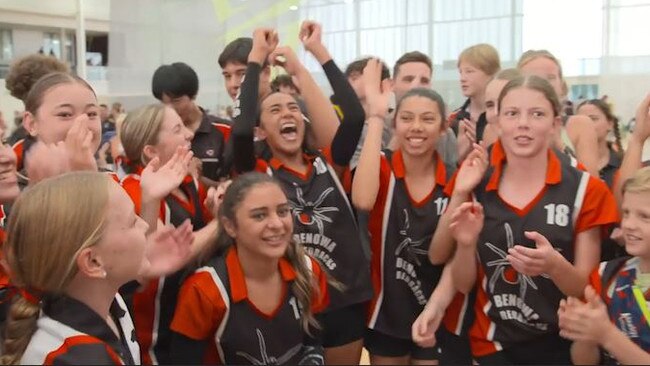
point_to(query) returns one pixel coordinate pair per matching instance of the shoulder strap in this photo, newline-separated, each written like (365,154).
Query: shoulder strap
(388,153)
(611,269)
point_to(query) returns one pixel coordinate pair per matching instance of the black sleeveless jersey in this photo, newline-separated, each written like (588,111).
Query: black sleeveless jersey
(153,307)
(520,307)
(610,171)
(326,225)
(243,334)
(401,232)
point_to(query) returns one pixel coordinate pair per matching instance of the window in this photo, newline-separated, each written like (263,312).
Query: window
(6,46)
(52,44)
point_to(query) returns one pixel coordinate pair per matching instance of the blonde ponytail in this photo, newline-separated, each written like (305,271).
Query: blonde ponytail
(20,326)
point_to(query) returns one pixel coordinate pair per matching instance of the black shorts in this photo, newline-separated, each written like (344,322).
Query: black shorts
(344,325)
(380,344)
(454,349)
(547,350)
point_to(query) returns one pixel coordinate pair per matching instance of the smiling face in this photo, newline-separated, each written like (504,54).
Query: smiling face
(172,135)
(281,124)
(418,124)
(59,108)
(263,224)
(636,223)
(526,122)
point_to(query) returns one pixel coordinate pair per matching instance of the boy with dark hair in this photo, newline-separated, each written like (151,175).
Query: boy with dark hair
(233,61)
(177,86)
(412,70)
(284,83)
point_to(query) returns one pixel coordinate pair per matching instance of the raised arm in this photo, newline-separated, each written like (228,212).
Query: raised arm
(468,177)
(583,135)
(633,154)
(466,225)
(324,121)
(245,116)
(365,185)
(348,133)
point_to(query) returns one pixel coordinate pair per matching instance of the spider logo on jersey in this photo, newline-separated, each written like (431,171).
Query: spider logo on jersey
(412,247)
(505,270)
(310,213)
(266,359)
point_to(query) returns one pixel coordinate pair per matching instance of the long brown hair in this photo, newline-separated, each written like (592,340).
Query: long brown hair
(47,228)
(304,287)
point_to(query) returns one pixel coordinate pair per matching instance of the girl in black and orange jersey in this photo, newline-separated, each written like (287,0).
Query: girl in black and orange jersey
(316,182)
(403,191)
(255,299)
(610,156)
(67,259)
(604,123)
(154,135)
(540,238)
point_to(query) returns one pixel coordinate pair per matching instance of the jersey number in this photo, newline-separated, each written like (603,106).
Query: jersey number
(557,214)
(294,306)
(441,204)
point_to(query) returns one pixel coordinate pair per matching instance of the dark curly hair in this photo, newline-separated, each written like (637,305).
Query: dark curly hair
(26,71)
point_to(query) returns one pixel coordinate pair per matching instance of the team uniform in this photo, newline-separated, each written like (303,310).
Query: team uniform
(153,306)
(463,113)
(516,315)
(626,296)
(325,224)
(4,277)
(214,309)
(610,174)
(20,148)
(209,146)
(68,332)
(403,278)
(459,317)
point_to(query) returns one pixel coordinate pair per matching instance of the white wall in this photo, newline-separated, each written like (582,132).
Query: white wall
(26,42)
(8,105)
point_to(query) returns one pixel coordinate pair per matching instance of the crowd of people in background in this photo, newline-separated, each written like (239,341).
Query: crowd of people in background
(305,227)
